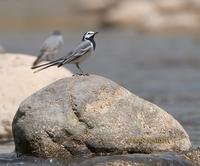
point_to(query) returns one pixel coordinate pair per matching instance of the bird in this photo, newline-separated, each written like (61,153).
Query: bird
(50,48)
(76,56)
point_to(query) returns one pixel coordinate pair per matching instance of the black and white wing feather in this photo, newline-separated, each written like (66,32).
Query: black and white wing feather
(83,48)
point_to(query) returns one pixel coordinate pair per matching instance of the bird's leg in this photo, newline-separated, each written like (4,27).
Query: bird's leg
(80,71)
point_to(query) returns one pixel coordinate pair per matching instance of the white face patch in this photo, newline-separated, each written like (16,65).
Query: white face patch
(89,34)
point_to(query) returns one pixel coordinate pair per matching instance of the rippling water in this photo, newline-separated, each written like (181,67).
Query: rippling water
(164,69)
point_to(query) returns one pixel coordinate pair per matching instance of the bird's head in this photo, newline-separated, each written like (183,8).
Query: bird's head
(89,35)
(56,32)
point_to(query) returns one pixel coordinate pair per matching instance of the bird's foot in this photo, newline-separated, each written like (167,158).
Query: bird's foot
(81,74)
(86,74)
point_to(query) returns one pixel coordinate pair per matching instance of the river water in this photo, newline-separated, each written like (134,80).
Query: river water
(162,68)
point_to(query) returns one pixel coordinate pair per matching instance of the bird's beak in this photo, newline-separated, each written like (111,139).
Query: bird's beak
(96,33)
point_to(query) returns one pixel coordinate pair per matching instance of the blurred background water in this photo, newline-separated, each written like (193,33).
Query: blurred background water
(153,50)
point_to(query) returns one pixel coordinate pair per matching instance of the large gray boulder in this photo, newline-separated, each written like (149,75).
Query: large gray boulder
(91,114)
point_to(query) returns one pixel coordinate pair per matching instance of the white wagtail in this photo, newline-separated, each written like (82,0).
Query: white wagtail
(77,55)
(50,48)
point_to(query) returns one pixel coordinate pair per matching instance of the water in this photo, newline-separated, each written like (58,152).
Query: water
(162,68)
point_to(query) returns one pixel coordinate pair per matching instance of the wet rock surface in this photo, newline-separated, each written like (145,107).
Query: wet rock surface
(136,160)
(86,115)
(162,159)
(18,82)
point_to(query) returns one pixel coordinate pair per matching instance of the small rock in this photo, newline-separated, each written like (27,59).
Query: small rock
(172,5)
(83,115)
(18,82)
(171,22)
(94,5)
(130,12)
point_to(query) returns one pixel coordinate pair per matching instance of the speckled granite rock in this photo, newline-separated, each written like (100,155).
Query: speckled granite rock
(91,114)
(193,155)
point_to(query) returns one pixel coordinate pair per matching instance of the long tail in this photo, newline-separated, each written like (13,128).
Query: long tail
(47,65)
(59,62)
